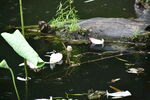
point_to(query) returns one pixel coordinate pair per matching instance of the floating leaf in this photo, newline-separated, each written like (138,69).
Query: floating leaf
(21,46)
(3,64)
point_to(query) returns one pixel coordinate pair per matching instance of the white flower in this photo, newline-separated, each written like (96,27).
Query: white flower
(69,48)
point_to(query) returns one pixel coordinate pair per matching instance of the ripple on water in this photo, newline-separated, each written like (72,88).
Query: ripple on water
(13,19)
(5,78)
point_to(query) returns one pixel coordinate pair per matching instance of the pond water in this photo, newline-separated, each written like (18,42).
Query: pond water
(96,75)
(35,10)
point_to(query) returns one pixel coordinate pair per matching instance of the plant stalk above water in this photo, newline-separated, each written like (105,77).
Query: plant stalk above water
(23,33)
(21,16)
(14,83)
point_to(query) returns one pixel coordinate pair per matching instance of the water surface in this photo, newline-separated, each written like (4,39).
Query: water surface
(96,75)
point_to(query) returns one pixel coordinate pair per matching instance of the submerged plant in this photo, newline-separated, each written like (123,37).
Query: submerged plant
(3,64)
(66,17)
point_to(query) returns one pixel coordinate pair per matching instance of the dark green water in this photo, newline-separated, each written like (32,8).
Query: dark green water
(35,10)
(96,75)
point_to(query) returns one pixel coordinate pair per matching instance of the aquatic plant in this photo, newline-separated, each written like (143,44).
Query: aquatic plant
(66,17)
(22,47)
(22,27)
(68,50)
(3,64)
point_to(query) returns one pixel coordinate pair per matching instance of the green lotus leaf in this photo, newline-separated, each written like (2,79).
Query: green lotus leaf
(22,47)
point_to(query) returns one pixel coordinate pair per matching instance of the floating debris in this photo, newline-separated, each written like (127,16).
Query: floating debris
(135,70)
(55,58)
(121,59)
(114,88)
(29,64)
(32,66)
(117,95)
(128,64)
(23,79)
(87,1)
(115,80)
(42,99)
(96,41)
(95,94)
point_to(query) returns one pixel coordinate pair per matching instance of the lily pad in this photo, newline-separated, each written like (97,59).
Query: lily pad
(22,47)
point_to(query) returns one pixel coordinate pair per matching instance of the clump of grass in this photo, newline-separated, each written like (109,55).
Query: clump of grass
(66,17)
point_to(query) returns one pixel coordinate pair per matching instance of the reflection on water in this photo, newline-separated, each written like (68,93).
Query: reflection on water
(35,10)
(96,75)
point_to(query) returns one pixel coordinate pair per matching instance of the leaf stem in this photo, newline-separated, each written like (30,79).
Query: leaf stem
(25,69)
(14,83)
(21,16)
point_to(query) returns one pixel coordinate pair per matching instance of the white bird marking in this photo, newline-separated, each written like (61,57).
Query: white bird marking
(119,94)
